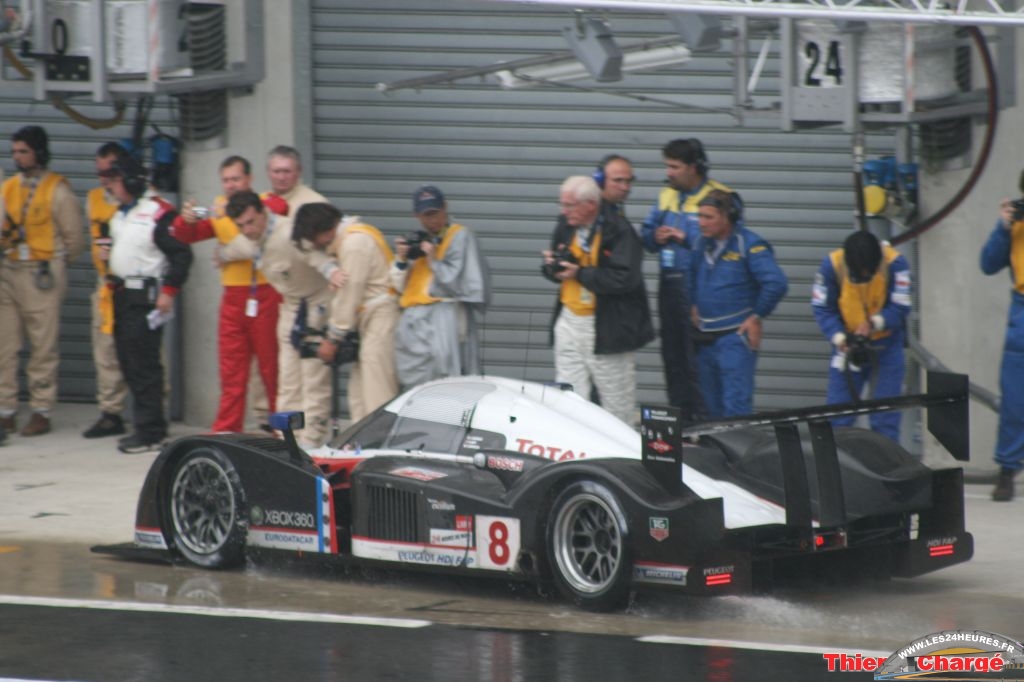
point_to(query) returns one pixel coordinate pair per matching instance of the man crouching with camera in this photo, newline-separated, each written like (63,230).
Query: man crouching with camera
(601,314)
(861,299)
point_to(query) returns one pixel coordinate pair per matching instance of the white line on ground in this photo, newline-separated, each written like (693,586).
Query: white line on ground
(757,646)
(262,614)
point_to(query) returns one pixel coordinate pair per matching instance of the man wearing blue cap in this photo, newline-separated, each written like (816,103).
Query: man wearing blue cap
(445,288)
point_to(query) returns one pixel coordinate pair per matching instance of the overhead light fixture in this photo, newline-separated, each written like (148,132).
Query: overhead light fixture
(570,70)
(700,32)
(594,45)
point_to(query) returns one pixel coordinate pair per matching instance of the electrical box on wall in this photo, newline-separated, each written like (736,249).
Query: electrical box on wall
(120,49)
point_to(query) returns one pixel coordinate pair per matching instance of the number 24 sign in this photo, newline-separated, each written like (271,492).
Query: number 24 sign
(821,64)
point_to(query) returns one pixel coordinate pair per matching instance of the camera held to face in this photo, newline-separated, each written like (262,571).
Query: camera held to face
(1018,209)
(415,241)
(555,266)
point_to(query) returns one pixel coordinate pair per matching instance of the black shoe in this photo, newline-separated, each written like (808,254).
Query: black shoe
(107,425)
(1003,491)
(139,443)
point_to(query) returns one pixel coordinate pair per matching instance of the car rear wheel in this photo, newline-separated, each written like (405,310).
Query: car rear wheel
(206,510)
(588,545)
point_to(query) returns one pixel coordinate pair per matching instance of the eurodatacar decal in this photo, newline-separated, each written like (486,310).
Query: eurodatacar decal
(950,654)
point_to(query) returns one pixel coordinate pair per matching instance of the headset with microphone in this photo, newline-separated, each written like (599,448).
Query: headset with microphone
(600,177)
(133,174)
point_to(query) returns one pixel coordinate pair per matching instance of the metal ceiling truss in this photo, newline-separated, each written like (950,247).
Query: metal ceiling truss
(962,12)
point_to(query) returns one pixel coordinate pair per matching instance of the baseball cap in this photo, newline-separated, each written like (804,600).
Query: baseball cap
(427,198)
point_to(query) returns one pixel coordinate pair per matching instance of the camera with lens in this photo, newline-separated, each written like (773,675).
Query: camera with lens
(346,350)
(415,241)
(858,350)
(1018,209)
(555,266)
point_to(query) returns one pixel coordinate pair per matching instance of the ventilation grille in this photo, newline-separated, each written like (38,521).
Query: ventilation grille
(392,514)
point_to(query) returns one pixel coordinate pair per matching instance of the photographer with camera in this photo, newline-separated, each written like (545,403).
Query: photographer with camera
(445,292)
(861,299)
(303,382)
(601,314)
(364,312)
(1005,249)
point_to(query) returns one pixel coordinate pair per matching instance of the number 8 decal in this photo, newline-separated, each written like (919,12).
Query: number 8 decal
(499,539)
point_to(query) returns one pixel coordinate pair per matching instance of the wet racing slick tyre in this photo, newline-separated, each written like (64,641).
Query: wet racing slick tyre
(206,510)
(587,541)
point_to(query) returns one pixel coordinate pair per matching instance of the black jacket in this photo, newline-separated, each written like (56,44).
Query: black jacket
(622,315)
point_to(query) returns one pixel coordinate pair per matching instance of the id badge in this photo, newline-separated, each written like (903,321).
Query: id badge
(252,306)
(586,298)
(24,253)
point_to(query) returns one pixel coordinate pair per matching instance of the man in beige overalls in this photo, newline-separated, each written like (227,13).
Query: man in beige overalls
(42,232)
(303,383)
(365,303)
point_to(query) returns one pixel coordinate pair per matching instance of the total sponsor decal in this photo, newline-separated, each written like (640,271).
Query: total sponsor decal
(551,452)
(150,537)
(978,654)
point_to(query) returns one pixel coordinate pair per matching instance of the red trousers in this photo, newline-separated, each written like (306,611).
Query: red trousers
(239,337)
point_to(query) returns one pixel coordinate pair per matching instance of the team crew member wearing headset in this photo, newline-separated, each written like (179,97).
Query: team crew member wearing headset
(249,306)
(670,230)
(444,295)
(601,314)
(1005,249)
(111,389)
(42,232)
(147,269)
(863,290)
(303,383)
(736,284)
(366,303)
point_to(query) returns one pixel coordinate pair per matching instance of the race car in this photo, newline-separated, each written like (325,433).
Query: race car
(530,481)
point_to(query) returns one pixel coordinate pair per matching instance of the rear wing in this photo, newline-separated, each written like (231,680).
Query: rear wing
(946,401)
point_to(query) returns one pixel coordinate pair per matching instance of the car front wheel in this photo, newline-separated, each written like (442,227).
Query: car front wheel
(588,545)
(207,510)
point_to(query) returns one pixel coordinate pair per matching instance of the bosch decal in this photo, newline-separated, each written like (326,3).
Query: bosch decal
(504,463)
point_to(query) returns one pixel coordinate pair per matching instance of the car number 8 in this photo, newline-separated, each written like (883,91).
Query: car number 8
(500,539)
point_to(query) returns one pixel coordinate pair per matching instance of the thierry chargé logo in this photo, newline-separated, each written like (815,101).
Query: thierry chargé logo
(950,654)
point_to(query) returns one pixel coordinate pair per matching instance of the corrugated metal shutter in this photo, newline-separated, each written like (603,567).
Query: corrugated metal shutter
(501,155)
(72,146)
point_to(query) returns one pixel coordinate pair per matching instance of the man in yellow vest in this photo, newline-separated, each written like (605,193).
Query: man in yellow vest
(366,303)
(111,389)
(303,383)
(249,304)
(861,299)
(445,285)
(42,232)
(601,314)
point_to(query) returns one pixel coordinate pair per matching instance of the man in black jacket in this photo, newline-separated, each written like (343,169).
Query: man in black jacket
(601,315)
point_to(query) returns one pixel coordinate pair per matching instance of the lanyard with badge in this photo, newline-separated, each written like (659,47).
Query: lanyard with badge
(252,304)
(24,252)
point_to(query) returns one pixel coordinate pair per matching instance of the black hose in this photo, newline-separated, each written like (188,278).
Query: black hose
(986,146)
